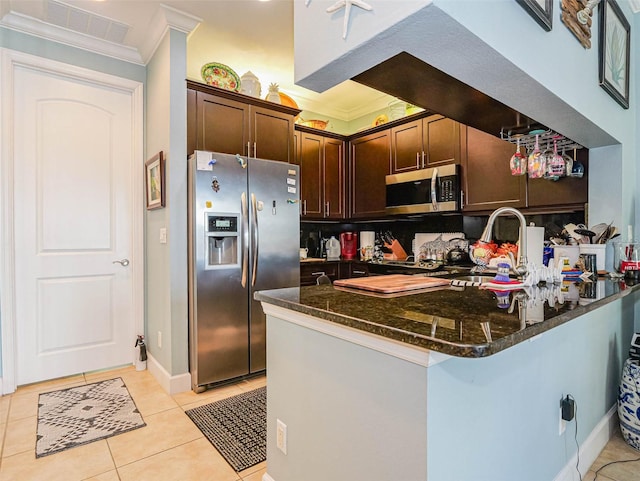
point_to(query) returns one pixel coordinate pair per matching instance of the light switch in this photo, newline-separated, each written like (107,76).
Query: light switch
(163,235)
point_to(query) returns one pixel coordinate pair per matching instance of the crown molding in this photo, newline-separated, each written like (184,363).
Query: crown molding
(305,103)
(32,26)
(166,18)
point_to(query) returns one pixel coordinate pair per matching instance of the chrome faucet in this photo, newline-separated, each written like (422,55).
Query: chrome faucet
(521,268)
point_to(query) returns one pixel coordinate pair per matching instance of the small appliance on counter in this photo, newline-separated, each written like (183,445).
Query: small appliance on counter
(349,245)
(333,249)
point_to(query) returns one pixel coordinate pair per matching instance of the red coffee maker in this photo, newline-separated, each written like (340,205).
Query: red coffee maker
(349,245)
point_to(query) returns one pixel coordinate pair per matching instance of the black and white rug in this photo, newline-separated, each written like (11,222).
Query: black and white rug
(80,415)
(236,426)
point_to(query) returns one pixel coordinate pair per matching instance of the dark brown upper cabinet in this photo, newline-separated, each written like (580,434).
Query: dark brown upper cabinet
(322,176)
(426,142)
(486,175)
(222,121)
(370,163)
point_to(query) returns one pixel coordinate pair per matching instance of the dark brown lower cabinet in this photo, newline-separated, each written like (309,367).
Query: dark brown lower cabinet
(310,271)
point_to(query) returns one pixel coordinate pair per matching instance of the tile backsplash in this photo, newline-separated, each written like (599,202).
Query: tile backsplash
(505,228)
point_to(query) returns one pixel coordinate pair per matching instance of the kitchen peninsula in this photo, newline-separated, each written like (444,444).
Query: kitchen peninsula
(405,387)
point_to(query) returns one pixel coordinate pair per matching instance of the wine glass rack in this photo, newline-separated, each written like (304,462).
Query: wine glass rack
(528,140)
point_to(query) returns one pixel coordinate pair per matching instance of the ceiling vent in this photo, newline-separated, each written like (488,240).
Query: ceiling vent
(88,23)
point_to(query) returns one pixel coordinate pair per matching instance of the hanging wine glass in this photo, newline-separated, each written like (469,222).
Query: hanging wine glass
(568,162)
(518,162)
(577,170)
(556,164)
(546,157)
(536,166)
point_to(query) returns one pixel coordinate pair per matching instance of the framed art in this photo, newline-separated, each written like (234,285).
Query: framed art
(614,50)
(154,181)
(540,10)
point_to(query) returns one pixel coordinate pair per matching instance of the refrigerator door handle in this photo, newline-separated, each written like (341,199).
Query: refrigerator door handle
(245,238)
(255,239)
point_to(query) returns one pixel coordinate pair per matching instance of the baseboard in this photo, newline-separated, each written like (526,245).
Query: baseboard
(591,448)
(266,477)
(171,384)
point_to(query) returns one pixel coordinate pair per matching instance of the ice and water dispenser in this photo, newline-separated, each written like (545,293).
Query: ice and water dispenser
(222,240)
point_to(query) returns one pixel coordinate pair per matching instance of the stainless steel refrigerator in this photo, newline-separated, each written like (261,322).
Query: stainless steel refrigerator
(244,225)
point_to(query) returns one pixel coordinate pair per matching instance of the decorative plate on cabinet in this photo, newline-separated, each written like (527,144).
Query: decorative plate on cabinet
(220,75)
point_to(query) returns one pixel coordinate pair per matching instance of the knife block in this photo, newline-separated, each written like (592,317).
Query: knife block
(397,252)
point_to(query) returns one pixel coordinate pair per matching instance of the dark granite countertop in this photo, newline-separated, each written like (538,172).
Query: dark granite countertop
(459,321)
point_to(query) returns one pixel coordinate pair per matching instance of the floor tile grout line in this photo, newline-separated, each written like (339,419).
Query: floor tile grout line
(159,452)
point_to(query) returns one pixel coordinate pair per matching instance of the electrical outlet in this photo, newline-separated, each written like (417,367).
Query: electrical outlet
(163,235)
(563,424)
(159,338)
(281,436)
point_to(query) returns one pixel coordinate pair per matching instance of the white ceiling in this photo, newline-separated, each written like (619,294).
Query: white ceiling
(243,34)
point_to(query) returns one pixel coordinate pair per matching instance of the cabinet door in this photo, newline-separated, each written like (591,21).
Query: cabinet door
(406,147)
(487,180)
(192,121)
(354,269)
(222,124)
(370,162)
(311,156)
(568,192)
(271,134)
(297,138)
(442,141)
(310,271)
(333,181)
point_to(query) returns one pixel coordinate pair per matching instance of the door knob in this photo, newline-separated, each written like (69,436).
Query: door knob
(123,262)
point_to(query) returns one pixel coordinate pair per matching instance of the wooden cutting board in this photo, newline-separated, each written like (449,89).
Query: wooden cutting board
(392,283)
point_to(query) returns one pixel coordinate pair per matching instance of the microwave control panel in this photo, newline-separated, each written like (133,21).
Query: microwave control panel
(448,189)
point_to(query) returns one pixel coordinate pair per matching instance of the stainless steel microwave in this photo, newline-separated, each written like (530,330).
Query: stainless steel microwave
(423,191)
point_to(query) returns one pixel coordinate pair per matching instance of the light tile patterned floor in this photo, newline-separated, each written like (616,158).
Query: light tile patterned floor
(170,447)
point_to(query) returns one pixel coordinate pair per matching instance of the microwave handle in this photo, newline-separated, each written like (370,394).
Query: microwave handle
(434,184)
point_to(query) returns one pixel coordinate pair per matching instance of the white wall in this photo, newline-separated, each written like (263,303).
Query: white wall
(506,406)
(166,264)
(352,413)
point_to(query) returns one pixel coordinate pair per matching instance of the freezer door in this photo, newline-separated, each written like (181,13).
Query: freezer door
(274,191)
(218,303)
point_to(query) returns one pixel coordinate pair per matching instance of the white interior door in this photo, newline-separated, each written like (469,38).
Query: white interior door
(73,152)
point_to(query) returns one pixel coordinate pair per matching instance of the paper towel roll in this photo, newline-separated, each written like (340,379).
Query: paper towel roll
(367,238)
(367,241)
(535,244)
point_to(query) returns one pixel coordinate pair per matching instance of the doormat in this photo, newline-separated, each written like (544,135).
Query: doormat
(80,415)
(236,426)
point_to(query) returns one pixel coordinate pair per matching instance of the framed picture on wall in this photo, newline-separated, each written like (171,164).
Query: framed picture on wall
(540,10)
(154,181)
(614,50)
